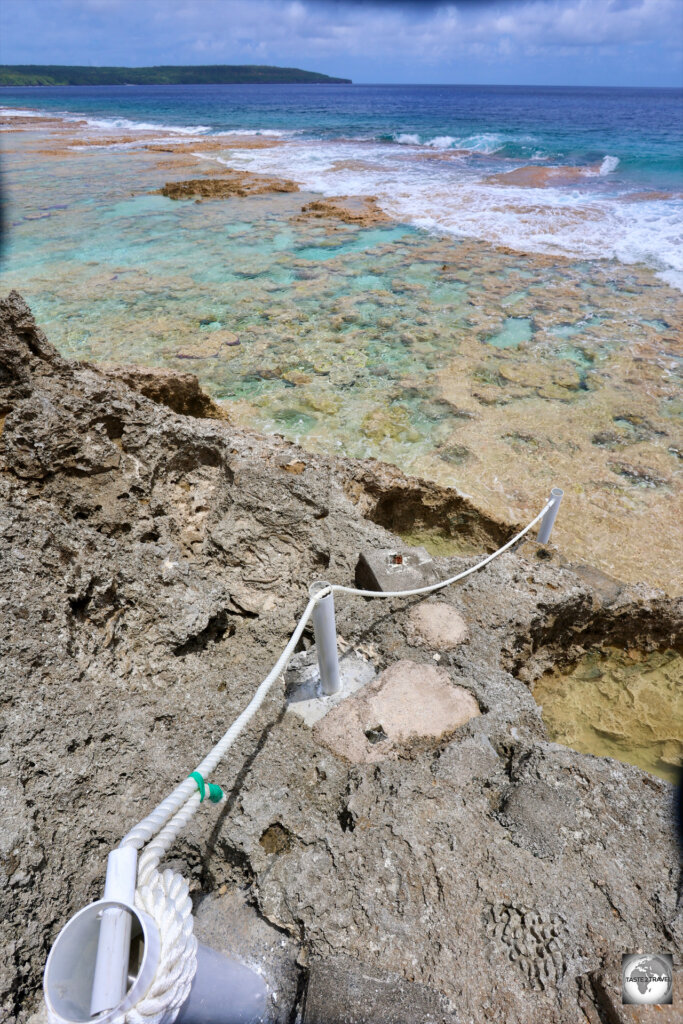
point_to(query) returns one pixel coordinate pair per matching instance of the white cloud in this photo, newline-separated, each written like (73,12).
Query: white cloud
(420,32)
(315,33)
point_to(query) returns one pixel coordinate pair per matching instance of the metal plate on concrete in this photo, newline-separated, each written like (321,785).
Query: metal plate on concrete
(388,569)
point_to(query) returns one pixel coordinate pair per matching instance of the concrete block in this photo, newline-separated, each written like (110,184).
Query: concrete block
(400,568)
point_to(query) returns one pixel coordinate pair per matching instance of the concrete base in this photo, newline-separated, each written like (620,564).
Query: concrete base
(302,684)
(400,568)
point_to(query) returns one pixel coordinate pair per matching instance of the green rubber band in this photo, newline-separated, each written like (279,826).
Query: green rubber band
(200,785)
(215,793)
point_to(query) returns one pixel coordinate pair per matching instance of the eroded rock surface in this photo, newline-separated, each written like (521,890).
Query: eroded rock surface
(153,565)
(180,392)
(361,210)
(233,183)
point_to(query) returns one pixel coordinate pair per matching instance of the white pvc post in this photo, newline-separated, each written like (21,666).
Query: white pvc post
(325,639)
(223,990)
(110,981)
(549,518)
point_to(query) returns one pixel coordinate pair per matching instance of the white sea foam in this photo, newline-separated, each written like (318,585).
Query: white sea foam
(144,127)
(441,142)
(20,112)
(108,123)
(609,164)
(405,139)
(455,198)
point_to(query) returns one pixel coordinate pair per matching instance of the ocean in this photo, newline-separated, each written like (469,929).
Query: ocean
(606,165)
(508,319)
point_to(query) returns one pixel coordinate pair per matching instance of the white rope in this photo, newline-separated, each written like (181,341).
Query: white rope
(154,821)
(338,589)
(165,897)
(150,825)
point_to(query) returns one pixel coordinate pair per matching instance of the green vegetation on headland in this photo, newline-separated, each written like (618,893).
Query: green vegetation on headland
(207,74)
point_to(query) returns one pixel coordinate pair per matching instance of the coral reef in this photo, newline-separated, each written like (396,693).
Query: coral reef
(232,184)
(363,211)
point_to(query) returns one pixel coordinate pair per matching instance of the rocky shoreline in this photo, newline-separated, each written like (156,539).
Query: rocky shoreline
(154,561)
(329,321)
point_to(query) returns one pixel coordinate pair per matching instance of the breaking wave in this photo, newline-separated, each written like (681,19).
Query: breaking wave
(485,142)
(609,164)
(577,213)
(109,123)
(455,197)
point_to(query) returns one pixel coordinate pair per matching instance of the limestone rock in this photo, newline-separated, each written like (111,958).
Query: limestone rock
(361,210)
(177,391)
(407,701)
(210,346)
(437,625)
(233,183)
(346,991)
(152,568)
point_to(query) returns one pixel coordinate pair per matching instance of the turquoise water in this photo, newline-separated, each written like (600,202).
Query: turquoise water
(491,368)
(438,157)
(516,331)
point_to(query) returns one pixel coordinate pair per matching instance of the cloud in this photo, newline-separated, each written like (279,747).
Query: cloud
(414,40)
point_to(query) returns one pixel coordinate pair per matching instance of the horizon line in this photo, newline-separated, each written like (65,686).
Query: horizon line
(232,85)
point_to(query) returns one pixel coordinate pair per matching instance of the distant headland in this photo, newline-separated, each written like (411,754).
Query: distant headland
(202,74)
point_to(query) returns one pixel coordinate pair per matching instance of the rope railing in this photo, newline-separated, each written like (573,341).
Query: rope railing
(154,821)
(162,899)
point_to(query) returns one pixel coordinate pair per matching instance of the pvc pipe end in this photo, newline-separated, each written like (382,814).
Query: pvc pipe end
(556,492)
(70,968)
(316,587)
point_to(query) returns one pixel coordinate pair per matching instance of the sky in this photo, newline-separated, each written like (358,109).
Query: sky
(498,42)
